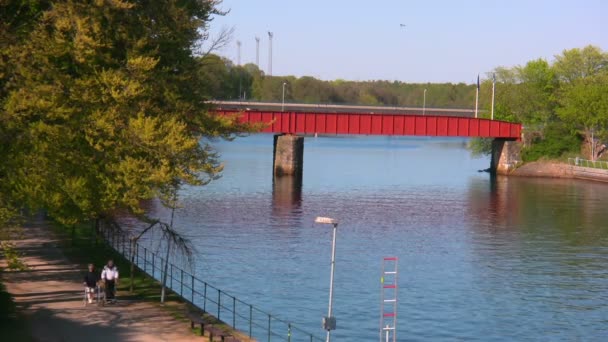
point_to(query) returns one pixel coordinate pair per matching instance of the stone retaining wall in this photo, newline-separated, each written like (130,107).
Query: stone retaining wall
(560,170)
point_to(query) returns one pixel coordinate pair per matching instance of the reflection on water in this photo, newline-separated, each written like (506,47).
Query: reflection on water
(286,196)
(480,258)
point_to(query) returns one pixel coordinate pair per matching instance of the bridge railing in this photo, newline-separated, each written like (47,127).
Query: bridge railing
(242,316)
(596,164)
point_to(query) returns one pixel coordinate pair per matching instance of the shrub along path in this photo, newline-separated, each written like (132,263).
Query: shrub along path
(50,296)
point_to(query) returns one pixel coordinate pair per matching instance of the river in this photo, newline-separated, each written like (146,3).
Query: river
(480,258)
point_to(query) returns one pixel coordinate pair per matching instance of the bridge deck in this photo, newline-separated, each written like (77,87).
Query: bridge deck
(379,124)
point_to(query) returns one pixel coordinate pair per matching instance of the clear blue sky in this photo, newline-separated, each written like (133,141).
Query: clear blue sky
(444,41)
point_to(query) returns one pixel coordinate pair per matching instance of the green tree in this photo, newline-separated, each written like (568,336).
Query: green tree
(215,78)
(578,63)
(583,75)
(105,108)
(584,106)
(526,93)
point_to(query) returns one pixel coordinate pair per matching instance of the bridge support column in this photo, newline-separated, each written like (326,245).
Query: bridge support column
(288,155)
(506,156)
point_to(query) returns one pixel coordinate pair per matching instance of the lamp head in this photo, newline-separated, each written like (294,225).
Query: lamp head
(326,220)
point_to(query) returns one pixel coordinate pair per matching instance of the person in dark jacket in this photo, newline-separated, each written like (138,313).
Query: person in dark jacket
(90,282)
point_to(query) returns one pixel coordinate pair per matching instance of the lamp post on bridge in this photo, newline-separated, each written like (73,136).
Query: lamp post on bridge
(283,102)
(329,322)
(424,103)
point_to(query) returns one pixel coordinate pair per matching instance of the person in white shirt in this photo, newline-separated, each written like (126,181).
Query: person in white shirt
(110,276)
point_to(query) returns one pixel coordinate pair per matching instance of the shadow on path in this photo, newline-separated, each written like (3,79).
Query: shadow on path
(50,295)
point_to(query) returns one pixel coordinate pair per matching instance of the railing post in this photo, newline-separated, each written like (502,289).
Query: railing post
(145,259)
(250,320)
(288,332)
(234,312)
(269,317)
(171,275)
(219,302)
(192,288)
(181,285)
(205,298)
(153,265)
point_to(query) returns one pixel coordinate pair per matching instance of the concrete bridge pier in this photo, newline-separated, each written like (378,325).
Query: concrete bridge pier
(288,155)
(506,155)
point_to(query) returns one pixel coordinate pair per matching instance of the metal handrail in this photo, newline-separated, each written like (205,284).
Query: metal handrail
(596,164)
(212,300)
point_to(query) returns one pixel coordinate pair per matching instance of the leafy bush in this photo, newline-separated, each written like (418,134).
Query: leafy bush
(556,140)
(480,146)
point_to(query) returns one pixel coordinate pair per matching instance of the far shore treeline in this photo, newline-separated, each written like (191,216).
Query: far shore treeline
(561,103)
(104,104)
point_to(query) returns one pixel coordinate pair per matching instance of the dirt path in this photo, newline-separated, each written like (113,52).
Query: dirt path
(50,295)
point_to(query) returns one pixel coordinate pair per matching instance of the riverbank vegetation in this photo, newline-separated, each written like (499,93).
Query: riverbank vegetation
(562,104)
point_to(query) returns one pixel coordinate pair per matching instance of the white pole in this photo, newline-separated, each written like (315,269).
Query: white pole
(331,277)
(493,88)
(283,103)
(476,101)
(270,35)
(424,103)
(257,51)
(238,53)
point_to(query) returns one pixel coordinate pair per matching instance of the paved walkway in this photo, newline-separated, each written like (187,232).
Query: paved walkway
(50,295)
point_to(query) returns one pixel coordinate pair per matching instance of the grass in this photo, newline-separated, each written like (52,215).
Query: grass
(80,245)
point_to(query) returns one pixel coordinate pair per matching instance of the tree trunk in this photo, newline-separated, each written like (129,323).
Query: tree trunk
(132,257)
(588,148)
(164,285)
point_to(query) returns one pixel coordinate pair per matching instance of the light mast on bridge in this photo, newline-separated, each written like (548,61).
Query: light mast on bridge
(270,35)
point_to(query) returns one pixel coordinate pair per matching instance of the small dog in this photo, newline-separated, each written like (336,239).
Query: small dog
(101,286)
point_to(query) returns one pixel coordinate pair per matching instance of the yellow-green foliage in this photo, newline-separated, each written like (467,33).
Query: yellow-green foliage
(101,105)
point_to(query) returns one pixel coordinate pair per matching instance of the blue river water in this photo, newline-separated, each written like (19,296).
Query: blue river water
(480,258)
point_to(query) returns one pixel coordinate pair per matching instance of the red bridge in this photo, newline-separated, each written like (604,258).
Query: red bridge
(289,147)
(379,124)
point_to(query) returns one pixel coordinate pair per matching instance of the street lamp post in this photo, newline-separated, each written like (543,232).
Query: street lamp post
(329,322)
(283,103)
(424,103)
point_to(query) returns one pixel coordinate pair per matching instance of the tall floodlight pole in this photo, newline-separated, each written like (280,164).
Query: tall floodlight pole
(493,88)
(238,62)
(270,35)
(329,322)
(238,52)
(283,103)
(424,103)
(257,51)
